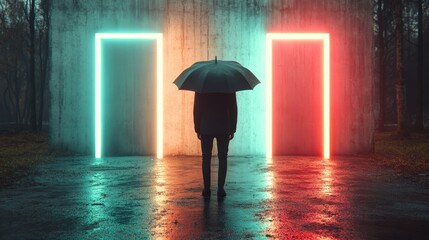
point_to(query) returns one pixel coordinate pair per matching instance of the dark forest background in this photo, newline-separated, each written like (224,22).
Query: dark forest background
(24,63)
(401,64)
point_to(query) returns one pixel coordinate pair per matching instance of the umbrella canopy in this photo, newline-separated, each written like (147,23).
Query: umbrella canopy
(216,77)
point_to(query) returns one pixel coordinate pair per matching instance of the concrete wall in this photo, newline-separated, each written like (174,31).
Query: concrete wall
(196,30)
(73,27)
(128,93)
(200,30)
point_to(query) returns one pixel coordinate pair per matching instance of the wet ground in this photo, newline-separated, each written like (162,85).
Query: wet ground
(283,198)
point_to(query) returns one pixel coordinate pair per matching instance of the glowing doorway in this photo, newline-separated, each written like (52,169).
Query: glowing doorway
(98,86)
(324,37)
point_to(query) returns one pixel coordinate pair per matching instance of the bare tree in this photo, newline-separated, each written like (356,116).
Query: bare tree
(43,56)
(32,73)
(419,88)
(402,128)
(381,65)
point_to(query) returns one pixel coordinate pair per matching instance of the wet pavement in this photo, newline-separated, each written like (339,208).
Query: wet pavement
(282,198)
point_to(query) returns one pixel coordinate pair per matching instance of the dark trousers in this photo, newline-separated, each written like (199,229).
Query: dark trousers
(206,148)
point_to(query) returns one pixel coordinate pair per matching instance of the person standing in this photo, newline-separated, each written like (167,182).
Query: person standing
(215,116)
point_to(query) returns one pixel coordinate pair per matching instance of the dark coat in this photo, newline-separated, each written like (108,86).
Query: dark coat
(215,113)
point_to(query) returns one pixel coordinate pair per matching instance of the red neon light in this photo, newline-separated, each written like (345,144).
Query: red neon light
(326,85)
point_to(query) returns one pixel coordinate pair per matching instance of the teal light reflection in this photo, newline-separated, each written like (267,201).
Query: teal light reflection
(97,195)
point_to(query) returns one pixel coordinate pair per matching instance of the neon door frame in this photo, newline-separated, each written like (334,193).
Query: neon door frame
(324,37)
(159,86)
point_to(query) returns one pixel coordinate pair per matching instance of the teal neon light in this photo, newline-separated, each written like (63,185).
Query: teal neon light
(98,86)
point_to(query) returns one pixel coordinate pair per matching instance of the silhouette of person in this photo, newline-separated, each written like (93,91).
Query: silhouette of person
(215,116)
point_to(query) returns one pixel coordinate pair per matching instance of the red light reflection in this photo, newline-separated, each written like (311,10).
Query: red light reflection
(175,199)
(304,202)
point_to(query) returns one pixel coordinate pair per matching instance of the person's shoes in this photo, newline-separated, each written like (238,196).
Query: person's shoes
(221,193)
(206,193)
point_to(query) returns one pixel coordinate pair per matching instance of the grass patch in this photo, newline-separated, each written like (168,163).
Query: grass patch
(409,155)
(19,152)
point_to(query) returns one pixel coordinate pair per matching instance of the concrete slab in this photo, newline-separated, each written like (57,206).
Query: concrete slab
(282,198)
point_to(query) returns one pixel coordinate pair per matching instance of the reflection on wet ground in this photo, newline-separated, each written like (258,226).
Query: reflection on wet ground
(282,198)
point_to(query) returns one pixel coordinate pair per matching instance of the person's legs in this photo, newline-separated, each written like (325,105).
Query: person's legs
(222,146)
(206,148)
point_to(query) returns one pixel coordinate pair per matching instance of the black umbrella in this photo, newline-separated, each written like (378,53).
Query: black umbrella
(216,77)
